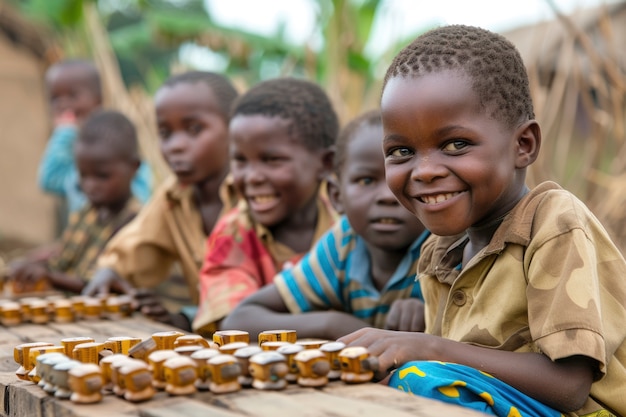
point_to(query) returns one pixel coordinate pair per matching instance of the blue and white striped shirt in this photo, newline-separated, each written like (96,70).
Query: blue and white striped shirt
(336,275)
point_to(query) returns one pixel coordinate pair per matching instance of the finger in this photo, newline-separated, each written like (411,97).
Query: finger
(123,286)
(392,321)
(88,290)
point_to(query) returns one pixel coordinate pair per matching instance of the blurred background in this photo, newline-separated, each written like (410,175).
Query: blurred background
(574,51)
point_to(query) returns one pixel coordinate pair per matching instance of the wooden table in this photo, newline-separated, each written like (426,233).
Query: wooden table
(23,398)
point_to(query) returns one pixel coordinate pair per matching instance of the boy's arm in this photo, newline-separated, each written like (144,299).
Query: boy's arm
(563,384)
(266,310)
(57,163)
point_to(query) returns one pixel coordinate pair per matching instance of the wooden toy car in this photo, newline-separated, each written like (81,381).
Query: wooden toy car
(117,379)
(92,308)
(143,349)
(224,371)
(268,370)
(277,336)
(357,365)
(180,375)
(313,367)
(59,378)
(10,313)
(105,365)
(222,337)
(121,344)
(85,382)
(39,311)
(332,350)
(88,352)
(289,351)
(62,311)
(201,357)
(165,340)
(34,353)
(45,365)
(243,356)
(21,355)
(40,366)
(136,379)
(70,343)
(156,360)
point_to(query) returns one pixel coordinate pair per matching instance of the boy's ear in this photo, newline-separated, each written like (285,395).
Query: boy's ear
(334,193)
(528,137)
(328,157)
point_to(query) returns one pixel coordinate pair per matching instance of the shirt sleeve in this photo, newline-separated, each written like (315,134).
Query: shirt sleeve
(315,283)
(574,306)
(57,163)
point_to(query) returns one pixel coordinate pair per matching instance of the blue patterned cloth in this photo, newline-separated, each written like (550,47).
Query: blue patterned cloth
(461,385)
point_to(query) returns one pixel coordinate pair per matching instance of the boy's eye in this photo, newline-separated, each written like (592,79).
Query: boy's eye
(455,146)
(164,133)
(195,128)
(400,152)
(364,180)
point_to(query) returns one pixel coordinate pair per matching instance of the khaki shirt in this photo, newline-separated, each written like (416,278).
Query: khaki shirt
(550,281)
(167,230)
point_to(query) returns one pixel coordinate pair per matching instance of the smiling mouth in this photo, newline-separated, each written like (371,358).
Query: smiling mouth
(387,220)
(438,198)
(262,199)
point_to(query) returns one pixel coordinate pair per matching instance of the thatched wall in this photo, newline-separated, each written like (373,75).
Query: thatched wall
(26,214)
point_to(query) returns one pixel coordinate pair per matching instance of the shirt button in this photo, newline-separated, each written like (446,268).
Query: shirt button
(459,298)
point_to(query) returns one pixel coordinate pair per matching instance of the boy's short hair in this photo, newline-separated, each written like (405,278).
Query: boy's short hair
(492,62)
(303,103)
(221,86)
(89,70)
(369,118)
(113,129)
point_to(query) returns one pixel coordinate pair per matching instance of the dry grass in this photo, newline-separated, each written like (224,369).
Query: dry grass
(579,93)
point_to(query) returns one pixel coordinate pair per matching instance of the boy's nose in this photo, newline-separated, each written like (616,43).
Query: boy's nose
(384,195)
(427,169)
(254,174)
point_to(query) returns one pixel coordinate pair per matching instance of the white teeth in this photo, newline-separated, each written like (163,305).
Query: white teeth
(388,221)
(439,198)
(263,199)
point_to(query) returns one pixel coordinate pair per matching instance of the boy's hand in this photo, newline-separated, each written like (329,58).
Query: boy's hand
(67,118)
(406,315)
(104,280)
(29,277)
(149,304)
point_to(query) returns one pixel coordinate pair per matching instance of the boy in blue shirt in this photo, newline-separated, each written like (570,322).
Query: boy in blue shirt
(74,92)
(362,272)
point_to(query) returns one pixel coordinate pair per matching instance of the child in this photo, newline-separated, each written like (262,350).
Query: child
(107,158)
(362,272)
(192,112)
(524,291)
(75,92)
(282,134)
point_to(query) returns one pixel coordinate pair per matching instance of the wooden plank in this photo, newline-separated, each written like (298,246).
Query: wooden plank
(184,407)
(390,397)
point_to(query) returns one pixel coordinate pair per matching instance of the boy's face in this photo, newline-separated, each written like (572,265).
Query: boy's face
(367,201)
(193,133)
(69,91)
(273,171)
(446,160)
(105,177)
